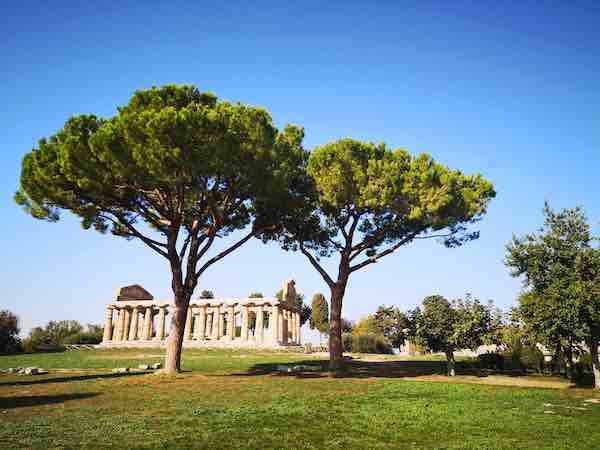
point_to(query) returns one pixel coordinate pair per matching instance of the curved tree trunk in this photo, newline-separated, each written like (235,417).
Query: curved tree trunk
(175,340)
(336,350)
(451,363)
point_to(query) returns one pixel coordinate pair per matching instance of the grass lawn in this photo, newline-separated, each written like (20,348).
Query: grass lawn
(234,399)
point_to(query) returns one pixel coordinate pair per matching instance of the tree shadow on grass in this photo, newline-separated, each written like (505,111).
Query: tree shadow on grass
(38,400)
(357,369)
(69,378)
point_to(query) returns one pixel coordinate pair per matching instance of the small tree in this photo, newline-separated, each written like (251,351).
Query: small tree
(56,333)
(319,318)
(441,326)
(364,201)
(59,331)
(176,169)
(9,332)
(391,323)
(207,295)
(561,272)
(366,325)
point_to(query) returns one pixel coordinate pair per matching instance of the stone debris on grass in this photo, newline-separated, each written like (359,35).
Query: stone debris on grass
(155,366)
(27,370)
(298,368)
(549,412)
(592,400)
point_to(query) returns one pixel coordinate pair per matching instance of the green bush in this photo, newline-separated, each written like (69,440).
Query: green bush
(347,342)
(586,361)
(491,360)
(370,343)
(532,358)
(29,345)
(525,358)
(84,337)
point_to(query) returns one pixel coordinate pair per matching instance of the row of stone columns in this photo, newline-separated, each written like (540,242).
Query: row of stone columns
(136,323)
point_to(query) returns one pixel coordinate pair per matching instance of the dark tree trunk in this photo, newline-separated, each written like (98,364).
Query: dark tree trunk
(569,372)
(556,361)
(450,363)
(595,362)
(336,350)
(175,340)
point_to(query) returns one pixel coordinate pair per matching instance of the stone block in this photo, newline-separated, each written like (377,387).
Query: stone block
(121,370)
(31,371)
(144,366)
(156,366)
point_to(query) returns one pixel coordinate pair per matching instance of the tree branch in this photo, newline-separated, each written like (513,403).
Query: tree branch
(184,247)
(224,253)
(392,249)
(317,266)
(154,245)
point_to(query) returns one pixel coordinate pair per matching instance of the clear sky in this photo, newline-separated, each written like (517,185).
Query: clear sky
(507,89)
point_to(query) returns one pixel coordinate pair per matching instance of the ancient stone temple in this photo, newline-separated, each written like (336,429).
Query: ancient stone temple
(136,319)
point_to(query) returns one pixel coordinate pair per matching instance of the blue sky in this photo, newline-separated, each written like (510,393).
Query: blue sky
(507,89)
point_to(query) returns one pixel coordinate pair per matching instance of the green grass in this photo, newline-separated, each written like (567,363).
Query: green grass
(232,399)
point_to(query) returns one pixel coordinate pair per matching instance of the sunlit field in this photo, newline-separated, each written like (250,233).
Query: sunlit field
(239,399)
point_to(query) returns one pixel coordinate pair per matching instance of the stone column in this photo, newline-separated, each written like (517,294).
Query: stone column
(140,332)
(282,330)
(244,333)
(162,313)
(133,327)
(147,324)
(231,322)
(201,324)
(274,323)
(187,333)
(215,322)
(221,322)
(108,325)
(208,329)
(292,323)
(258,332)
(126,324)
(298,329)
(120,322)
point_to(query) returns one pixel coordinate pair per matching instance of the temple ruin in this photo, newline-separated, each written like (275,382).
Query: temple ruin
(136,319)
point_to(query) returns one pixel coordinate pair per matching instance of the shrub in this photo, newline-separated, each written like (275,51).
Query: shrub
(9,333)
(491,360)
(84,337)
(370,343)
(532,358)
(29,345)
(347,342)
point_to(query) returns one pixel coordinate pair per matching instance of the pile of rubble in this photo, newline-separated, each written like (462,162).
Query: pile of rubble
(26,370)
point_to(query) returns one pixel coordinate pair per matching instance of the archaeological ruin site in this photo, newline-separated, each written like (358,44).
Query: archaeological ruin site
(136,319)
